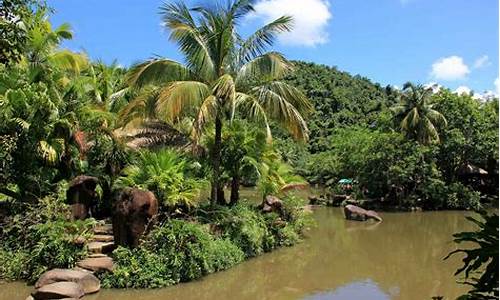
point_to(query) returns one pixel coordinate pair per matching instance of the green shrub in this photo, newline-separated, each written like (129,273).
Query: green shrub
(168,174)
(138,268)
(39,239)
(460,196)
(176,251)
(246,227)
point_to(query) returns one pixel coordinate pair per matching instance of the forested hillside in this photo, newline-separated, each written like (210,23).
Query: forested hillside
(356,132)
(340,100)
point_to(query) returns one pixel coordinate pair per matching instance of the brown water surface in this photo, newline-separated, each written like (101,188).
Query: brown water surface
(400,258)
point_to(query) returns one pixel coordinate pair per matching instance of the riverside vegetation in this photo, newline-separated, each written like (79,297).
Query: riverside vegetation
(180,130)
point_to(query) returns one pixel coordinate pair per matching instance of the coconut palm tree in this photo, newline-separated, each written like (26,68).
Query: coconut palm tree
(418,120)
(223,73)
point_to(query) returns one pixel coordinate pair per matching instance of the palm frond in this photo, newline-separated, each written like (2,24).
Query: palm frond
(179,97)
(69,61)
(251,108)
(156,71)
(183,30)
(267,67)
(257,43)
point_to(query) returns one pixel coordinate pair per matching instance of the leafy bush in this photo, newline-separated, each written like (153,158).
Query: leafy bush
(481,262)
(438,195)
(246,227)
(40,239)
(181,250)
(176,251)
(167,174)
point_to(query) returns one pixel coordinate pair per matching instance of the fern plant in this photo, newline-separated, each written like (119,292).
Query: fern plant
(166,173)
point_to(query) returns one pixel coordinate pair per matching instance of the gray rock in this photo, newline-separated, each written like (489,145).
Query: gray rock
(353,212)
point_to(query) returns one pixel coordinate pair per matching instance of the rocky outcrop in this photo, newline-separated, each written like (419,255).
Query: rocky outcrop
(59,290)
(86,280)
(352,212)
(133,210)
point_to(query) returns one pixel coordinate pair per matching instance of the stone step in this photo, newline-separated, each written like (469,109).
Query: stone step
(103,238)
(101,247)
(104,229)
(94,255)
(59,290)
(97,264)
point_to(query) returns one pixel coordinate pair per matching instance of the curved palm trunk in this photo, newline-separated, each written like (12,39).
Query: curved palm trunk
(216,188)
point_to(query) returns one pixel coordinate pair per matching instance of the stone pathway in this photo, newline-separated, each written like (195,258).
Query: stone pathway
(79,281)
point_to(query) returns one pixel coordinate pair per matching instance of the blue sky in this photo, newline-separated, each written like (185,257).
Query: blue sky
(451,42)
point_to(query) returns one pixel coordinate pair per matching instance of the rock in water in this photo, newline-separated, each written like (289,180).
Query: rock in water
(59,290)
(87,281)
(353,212)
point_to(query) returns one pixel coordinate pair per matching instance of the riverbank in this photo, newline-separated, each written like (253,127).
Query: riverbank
(338,259)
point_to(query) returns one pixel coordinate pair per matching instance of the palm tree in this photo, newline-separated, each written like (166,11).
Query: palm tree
(418,120)
(223,72)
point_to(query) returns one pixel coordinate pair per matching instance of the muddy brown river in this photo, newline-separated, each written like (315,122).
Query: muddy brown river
(400,258)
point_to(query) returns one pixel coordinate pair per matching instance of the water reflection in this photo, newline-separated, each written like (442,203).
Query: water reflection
(356,290)
(400,258)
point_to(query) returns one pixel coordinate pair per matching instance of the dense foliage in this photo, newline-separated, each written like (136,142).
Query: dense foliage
(41,238)
(222,117)
(182,250)
(358,131)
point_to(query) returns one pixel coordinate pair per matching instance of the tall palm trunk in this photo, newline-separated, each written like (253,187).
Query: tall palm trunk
(235,185)
(216,188)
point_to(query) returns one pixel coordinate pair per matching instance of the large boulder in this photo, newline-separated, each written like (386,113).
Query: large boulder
(272,204)
(133,210)
(81,195)
(59,290)
(356,213)
(86,280)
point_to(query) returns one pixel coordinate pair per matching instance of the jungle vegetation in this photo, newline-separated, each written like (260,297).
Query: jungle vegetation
(233,113)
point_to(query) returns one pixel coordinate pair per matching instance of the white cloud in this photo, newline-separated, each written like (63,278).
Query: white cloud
(481,62)
(497,86)
(310,19)
(434,86)
(450,68)
(463,90)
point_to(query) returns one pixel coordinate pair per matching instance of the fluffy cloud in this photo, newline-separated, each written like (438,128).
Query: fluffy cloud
(497,85)
(463,90)
(310,19)
(481,62)
(450,68)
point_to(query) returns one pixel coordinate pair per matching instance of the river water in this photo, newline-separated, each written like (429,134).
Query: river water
(400,258)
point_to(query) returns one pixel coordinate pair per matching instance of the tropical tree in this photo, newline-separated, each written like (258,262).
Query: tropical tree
(223,72)
(418,119)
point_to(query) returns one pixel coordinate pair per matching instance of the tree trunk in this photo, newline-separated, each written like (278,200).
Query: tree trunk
(235,186)
(221,199)
(215,192)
